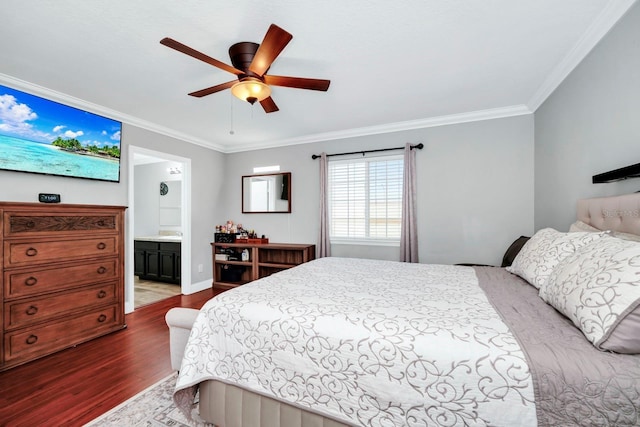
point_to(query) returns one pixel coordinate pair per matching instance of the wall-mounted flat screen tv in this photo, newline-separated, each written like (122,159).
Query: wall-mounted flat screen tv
(42,136)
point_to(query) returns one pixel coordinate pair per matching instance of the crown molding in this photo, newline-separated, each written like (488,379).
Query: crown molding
(607,19)
(612,13)
(473,116)
(452,119)
(103,111)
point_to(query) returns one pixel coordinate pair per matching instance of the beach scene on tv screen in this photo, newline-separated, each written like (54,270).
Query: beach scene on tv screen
(42,136)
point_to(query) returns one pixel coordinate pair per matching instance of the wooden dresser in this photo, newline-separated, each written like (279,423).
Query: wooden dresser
(62,277)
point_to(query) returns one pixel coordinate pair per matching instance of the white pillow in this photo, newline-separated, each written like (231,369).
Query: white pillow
(582,226)
(540,255)
(598,288)
(627,236)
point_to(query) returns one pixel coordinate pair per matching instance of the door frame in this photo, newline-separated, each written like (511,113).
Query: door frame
(185,247)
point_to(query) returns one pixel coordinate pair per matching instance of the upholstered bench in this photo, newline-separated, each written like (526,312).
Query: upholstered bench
(180,321)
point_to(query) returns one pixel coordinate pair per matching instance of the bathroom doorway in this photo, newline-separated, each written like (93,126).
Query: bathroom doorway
(159,233)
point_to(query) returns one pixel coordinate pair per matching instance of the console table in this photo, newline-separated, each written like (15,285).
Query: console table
(264,260)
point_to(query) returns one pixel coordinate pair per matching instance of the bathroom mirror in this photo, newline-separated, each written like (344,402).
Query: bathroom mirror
(170,203)
(268,193)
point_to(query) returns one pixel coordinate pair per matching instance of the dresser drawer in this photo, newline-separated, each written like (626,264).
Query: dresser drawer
(26,282)
(32,224)
(18,253)
(27,344)
(33,310)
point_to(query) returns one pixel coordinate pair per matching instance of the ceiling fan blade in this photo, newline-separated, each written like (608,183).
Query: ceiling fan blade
(274,41)
(213,89)
(199,55)
(268,105)
(297,82)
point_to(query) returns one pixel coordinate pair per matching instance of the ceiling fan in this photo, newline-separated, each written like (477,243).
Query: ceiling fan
(251,61)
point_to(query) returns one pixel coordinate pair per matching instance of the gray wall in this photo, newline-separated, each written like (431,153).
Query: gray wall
(475,189)
(24,187)
(590,125)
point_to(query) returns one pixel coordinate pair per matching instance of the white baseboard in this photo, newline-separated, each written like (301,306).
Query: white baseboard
(197,287)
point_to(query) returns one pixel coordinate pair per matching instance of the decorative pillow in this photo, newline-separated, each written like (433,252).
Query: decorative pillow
(513,250)
(598,288)
(582,226)
(540,255)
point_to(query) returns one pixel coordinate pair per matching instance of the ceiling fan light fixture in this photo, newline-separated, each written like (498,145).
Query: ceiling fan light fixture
(251,61)
(251,90)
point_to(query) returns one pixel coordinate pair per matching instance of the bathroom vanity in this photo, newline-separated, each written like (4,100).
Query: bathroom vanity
(157,258)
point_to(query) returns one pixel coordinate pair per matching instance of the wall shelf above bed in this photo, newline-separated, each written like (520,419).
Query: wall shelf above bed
(626,172)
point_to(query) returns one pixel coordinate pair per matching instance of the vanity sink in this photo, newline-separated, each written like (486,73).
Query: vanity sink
(170,238)
(160,238)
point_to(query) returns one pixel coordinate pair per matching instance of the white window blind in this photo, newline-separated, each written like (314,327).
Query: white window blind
(365,199)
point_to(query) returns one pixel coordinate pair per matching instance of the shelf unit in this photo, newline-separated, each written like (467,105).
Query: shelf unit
(264,260)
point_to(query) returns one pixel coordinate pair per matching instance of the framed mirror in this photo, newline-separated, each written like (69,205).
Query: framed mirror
(268,193)
(170,203)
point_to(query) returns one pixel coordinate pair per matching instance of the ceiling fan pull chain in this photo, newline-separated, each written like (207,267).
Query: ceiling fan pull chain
(231,132)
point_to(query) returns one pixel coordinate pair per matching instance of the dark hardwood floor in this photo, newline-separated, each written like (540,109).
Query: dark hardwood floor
(74,386)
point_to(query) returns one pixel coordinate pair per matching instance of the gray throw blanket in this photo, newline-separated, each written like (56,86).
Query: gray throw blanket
(574,383)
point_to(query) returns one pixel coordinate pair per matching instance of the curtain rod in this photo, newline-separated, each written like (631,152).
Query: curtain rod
(418,146)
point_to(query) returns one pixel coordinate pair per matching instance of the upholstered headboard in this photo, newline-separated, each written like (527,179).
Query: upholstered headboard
(618,213)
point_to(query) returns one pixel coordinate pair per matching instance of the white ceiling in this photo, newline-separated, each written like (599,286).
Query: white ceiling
(392,65)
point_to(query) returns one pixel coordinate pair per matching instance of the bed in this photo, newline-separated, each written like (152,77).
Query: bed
(361,342)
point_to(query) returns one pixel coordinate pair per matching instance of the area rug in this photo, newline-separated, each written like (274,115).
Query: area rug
(152,407)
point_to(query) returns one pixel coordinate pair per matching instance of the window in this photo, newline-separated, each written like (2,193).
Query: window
(365,200)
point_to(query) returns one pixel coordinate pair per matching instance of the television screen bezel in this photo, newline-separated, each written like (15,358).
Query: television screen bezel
(62,108)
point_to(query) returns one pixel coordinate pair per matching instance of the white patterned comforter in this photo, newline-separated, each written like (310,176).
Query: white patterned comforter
(368,343)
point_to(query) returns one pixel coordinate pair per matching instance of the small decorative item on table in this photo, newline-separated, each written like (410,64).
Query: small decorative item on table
(224,238)
(258,240)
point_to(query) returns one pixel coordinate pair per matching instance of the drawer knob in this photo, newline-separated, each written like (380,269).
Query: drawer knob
(32,310)
(30,224)
(32,252)
(30,281)
(102,270)
(32,339)
(102,294)
(100,223)
(102,318)
(101,245)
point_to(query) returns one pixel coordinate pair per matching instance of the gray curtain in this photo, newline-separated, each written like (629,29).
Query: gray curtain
(324,246)
(409,227)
